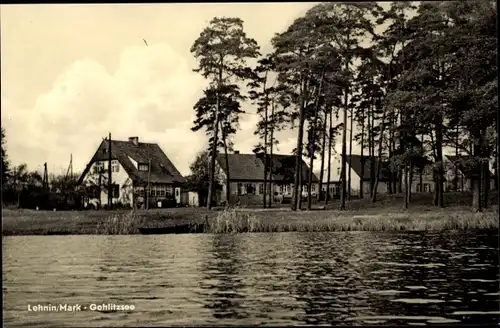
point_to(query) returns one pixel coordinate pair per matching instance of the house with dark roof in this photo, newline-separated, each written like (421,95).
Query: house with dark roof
(246,173)
(461,171)
(354,165)
(140,172)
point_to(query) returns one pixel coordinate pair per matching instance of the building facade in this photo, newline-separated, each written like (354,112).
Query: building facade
(141,175)
(246,178)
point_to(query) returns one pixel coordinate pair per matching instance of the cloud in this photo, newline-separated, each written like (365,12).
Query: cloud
(150,95)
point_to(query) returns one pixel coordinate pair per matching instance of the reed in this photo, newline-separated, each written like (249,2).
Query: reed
(234,221)
(119,224)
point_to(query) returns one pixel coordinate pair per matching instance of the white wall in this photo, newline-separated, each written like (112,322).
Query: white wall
(120,178)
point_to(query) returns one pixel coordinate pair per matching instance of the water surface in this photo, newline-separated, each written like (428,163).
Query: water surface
(345,278)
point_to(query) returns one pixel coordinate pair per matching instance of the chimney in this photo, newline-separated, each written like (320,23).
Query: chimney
(134,140)
(236,151)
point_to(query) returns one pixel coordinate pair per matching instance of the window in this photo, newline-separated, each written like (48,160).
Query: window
(143,167)
(115,166)
(115,191)
(287,189)
(250,188)
(99,167)
(239,189)
(338,170)
(426,187)
(313,187)
(304,188)
(93,191)
(153,191)
(170,190)
(161,190)
(418,187)
(261,188)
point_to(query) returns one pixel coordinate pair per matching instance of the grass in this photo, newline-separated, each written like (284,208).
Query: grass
(232,221)
(361,215)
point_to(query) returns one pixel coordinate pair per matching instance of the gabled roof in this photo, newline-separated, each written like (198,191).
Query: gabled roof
(355,161)
(162,169)
(251,167)
(466,165)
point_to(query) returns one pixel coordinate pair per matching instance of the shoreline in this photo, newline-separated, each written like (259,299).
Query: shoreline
(191,220)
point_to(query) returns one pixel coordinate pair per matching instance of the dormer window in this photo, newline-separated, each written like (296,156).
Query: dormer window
(143,167)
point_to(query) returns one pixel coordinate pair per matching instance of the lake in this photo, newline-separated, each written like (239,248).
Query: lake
(344,278)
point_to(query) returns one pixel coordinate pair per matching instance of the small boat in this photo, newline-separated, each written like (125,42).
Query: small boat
(182,228)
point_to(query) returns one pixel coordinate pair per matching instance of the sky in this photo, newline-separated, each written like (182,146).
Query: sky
(71,74)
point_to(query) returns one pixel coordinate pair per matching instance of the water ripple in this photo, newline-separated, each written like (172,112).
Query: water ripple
(278,279)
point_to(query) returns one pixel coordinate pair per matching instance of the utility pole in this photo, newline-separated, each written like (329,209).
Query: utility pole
(110,196)
(148,191)
(45,180)
(71,168)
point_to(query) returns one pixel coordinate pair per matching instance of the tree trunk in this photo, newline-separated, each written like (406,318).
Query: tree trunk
(421,171)
(486,182)
(312,144)
(380,148)
(391,155)
(371,148)
(330,138)
(228,178)
(323,145)
(410,183)
(362,155)
(301,185)
(421,180)
(214,144)
(344,141)
(298,157)
(271,193)
(350,161)
(406,186)
(265,140)
(439,161)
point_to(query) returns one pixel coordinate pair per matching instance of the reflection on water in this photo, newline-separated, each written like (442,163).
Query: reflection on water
(279,278)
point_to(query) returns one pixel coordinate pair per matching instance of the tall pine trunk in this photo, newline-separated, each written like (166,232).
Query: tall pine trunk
(476,180)
(406,177)
(439,161)
(344,141)
(298,156)
(271,193)
(214,143)
(372,153)
(264,198)
(228,177)
(323,150)
(350,160)
(330,138)
(380,149)
(312,144)
(361,189)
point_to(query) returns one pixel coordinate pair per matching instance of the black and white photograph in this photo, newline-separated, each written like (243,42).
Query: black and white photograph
(250,164)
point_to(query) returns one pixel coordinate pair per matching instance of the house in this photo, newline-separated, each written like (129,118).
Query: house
(353,164)
(424,181)
(463,166)
(246,173)
(134,166)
